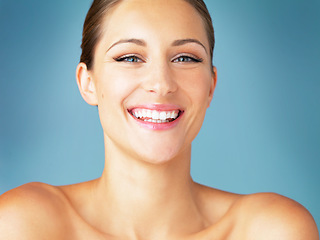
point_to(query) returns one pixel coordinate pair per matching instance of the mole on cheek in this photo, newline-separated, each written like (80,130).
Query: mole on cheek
(102,95)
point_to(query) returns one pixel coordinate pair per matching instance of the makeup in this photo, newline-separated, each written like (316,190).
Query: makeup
(156,116)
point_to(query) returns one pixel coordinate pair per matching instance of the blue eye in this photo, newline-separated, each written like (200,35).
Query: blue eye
(130,59)
(187,59)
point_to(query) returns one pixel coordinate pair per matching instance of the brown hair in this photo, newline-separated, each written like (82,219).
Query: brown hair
(98,10)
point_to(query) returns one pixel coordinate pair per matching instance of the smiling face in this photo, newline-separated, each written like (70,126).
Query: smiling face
(151,79)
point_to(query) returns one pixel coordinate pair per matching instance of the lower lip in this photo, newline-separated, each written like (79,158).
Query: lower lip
(158,126)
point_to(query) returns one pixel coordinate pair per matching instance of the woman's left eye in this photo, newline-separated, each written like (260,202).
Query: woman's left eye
(186,59)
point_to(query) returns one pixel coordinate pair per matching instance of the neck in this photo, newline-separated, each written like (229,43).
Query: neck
(132,194)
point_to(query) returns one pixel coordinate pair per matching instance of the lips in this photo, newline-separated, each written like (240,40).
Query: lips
(156,115)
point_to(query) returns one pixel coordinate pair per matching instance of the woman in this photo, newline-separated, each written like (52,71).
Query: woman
(147,66)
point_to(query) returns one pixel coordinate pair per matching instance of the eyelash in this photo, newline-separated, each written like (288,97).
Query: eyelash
(190,59)
(126,57)
(136,59)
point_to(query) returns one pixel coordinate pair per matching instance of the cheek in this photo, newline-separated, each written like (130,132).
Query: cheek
(113,90)
(114,86)
(196,84)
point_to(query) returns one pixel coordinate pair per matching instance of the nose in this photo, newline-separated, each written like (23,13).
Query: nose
(160,80)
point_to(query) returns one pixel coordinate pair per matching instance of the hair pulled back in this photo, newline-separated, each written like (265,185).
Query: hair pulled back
(92,27)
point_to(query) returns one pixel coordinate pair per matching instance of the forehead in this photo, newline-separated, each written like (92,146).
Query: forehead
(155,19)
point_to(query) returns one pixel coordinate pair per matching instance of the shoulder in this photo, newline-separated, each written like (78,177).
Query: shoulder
(32,211)
(272,216)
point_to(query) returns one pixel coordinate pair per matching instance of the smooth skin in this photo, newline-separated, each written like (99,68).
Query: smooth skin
(146,191)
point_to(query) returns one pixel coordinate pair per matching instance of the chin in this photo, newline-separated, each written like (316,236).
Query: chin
(158,159)
(161,154)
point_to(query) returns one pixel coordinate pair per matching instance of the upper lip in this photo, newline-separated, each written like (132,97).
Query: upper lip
(157,107)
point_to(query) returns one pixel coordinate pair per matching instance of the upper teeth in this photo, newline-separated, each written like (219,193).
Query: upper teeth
(155,115)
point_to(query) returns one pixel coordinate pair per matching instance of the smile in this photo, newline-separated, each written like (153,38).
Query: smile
(155,116)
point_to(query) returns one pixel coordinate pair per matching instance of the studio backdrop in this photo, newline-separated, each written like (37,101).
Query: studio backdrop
(261,132)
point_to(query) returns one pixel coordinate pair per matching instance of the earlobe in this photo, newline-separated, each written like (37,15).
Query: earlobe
(213,84)
(86,84)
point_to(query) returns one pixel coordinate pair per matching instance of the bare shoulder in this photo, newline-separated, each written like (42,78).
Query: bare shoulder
(272,216)
(36,209)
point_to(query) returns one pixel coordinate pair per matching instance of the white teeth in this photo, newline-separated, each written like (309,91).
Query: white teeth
(143,113)
(174,115)
(163,116)
(155,116)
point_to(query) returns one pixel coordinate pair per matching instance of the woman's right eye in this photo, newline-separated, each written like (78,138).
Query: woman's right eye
(129,59)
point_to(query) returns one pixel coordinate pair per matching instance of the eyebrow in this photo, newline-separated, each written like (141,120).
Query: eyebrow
(129,40)
(175,43)
(180,42)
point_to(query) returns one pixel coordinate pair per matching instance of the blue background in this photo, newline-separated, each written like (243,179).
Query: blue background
(261,133)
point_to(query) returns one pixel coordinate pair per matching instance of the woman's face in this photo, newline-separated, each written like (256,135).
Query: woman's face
(153,78)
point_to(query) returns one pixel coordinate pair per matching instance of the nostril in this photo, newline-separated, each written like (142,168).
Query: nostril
(161,87)
(160,80)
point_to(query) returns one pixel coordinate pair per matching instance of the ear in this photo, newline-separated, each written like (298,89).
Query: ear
(213,84)
(86,84)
